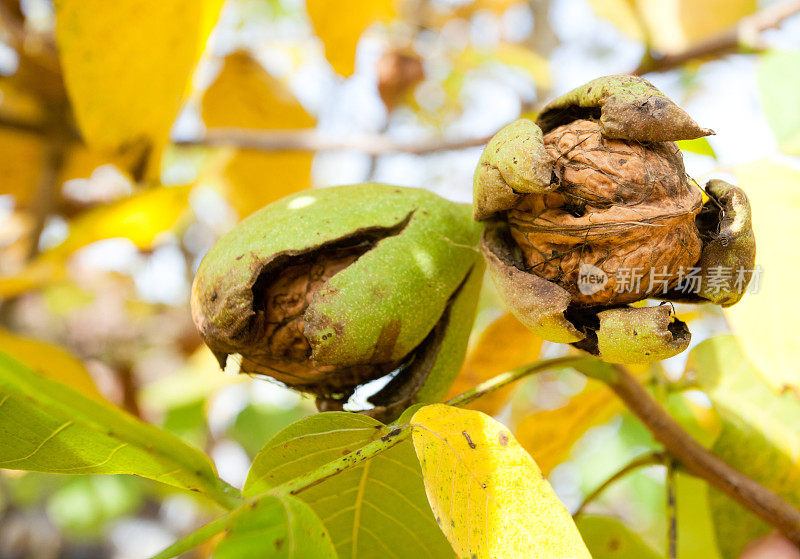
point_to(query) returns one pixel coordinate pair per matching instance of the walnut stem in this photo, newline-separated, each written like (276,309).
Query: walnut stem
(745,33)
(501,380)
(649,459)
(672,511)
(701,462)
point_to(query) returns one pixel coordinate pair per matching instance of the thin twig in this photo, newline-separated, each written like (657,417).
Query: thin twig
(23,125)
(46,194)
(312,140)
(13,23)
(701,462)
(649,459)
(672,512)
(501,380)
(130,391)
(746,32)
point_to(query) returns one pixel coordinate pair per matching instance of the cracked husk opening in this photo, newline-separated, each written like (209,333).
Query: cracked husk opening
(282,350)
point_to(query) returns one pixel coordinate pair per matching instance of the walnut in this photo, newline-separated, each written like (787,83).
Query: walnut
(328,289)
(623,207)
(589,208)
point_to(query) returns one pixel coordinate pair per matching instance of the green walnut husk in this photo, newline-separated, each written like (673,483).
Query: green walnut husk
(328,289)
(598,183)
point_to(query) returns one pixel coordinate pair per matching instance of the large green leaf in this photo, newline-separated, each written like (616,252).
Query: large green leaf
(375,509)
(46,426)
(608,538)
(279,527)
(759,435)
(779,81)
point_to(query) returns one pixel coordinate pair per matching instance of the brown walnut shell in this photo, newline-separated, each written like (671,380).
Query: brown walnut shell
(286,352)
(620,209)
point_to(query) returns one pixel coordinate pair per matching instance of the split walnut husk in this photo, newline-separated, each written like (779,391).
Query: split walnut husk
(328,289)
(590,208)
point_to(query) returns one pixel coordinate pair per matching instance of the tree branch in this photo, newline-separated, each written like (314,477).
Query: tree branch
(729,41)
(46,194)
(312,140)
(701,462)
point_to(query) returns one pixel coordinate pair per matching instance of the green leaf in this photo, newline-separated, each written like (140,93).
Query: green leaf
(487,493)
(699,146)
(375,509)
(276,527)
(258,423)
(85,505)
(46,426)
(608,538)
(695,525)
(779,81)
(759,435)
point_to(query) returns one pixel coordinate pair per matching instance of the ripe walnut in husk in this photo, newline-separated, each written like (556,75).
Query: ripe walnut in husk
(590,208)
(328,289)
(613,202)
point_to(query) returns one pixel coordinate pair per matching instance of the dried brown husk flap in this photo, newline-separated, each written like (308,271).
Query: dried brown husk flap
(729,246)
(628,107)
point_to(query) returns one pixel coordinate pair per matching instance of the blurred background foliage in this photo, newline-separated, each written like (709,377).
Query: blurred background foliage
(132,138)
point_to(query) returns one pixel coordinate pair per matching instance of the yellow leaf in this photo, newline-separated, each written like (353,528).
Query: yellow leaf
(536,66)
(51,361)
(486,492)
(140,218)
(765,321)
(20,163)
(622,14)
(504,345)
(257,179)
(549,435)
(19,104)
(339,26)
(673,25)
(244,95)
(128,64)
(34,275)
(24,155)
(80,161)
